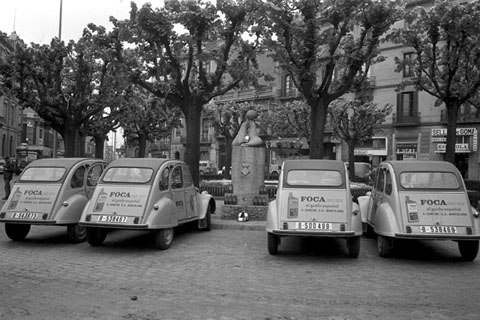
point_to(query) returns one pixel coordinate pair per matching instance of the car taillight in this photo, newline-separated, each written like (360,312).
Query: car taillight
(475,213)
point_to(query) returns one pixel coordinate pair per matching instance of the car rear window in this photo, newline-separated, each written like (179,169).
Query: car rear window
(429,180)
(314,178)
(43,174)
(128,175)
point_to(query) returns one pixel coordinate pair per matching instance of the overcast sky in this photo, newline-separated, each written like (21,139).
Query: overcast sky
(38,20)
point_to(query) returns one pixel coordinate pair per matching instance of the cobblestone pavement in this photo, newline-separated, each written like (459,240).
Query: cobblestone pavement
(228,274)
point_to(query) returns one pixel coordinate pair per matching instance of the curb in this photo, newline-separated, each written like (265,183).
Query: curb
(235,225)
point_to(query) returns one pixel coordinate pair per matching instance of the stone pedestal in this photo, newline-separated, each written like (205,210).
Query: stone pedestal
(248,172)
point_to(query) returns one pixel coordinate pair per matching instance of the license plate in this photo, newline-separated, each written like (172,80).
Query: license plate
(115,219)
(314,225)
(24,215)
(438,229)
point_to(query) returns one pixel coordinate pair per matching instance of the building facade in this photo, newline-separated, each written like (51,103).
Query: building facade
(10,111)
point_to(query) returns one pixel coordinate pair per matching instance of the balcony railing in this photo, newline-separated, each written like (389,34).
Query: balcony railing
(462,117)
(246,94)
(404,120)
(203,139)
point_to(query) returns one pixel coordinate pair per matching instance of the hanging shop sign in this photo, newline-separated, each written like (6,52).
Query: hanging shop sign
(406,148)
(439,136)
(459,148)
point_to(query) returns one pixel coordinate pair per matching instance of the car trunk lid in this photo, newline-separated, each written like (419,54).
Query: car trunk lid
(424,210)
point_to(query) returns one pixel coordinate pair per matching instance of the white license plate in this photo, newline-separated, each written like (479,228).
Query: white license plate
(314,225)
(438,229)
(24,215)
(115,219)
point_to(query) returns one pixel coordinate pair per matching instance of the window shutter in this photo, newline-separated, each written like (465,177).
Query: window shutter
(399,107)
(415,104)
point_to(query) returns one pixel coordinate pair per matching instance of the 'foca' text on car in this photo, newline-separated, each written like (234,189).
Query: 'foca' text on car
(51,192)
(314,200)
(148,194)
(423,200)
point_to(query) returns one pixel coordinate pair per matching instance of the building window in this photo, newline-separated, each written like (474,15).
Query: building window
(407,106)
(408,70)
(289,86)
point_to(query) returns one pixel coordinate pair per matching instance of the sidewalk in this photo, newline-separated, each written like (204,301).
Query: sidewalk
(218,223)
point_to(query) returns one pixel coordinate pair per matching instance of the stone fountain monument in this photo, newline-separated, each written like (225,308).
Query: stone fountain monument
(248,174)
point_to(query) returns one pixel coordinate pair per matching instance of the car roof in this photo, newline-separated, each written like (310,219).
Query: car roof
(314,164)
(419,165)
(58,162)
(153,163)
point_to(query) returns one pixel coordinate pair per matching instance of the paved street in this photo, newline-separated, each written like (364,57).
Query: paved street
(228,274)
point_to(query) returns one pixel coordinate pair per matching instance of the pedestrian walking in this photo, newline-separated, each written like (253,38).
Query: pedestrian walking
(8,170)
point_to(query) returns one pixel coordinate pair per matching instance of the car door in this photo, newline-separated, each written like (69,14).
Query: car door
(93,175)
(377,194)
(178,192)
(190,193)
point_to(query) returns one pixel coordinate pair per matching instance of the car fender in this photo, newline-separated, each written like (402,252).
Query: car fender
(203,201)
(164,216)
(386,223)
(72,211)
(357,220)
(272,216)
(364,204)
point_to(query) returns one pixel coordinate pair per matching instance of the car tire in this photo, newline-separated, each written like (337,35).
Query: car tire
(206,223)
(273,241)
(17,232)
(353,247)
(468,249)
(96,236)
(384,246)
(163,238)
(76,233)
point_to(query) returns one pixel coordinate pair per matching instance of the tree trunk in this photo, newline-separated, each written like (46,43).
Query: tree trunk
(351,159)
(452,110)
(228,157)
(99,146)
(192,155)
(72,140)
(142,145)
(319,116)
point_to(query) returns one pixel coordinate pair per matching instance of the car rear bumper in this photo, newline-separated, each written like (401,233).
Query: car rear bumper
(302,233)
(115,226)
(437,236)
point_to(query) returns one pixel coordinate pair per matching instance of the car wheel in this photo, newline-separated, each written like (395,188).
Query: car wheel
(468,249)
(272,243)
(384,246)
(76,233)
(163,238)
(367,230)
(96,236)
(353,247)
(274,175)
(206,223)
(17,232)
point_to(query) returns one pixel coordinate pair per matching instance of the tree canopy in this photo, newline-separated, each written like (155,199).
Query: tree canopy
(147,118)
(327,47)
(446,62)
(189,52)
(354,122)
(68,85)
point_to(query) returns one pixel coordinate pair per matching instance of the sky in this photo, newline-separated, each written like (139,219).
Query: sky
(38,20)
